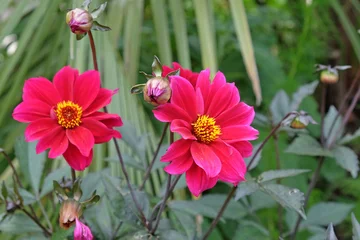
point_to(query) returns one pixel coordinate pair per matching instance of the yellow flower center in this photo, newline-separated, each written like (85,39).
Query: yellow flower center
(205,129)
(68,114)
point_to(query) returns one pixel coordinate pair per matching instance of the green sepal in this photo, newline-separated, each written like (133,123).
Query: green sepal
(60,192)
(85,5)
(137,89)
(174,73)
(77,192)
(80,36)
(98,27)
(97,11)
(148,76)
(156,67)
(92,200)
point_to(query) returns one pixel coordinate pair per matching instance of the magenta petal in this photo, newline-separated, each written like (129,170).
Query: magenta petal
(86,88)
(240,114)
(110,120)
(176,150)
(198,181)
(220,101)
(199,102)
(203,82)
(183,128)
(179,165)
(81,231)
(183,95)
(64,82)
(169,112)
(75,159)
(101,100)
(100,131)
(205,158)
(216,84)
(41,89)
(245,148)
(56,140)
(82,138)
(238,133)
(31,110)
(40,128)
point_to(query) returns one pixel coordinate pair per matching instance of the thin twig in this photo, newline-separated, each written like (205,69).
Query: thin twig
(12,167)
(117,147)
(220,213)
(278,181)
(42,209)
(113,235)
(45,230)
(148,170)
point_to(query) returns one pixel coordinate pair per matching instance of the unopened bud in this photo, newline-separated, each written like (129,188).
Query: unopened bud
(329,77)
(79,20)
(298,120)
(69,211)
(157,91)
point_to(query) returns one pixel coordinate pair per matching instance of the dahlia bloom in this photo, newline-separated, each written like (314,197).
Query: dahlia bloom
(64,116)
(215,130)
(81,231)
(185,73)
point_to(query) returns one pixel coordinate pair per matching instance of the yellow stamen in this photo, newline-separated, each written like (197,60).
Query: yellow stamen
(68,114)
(205,129)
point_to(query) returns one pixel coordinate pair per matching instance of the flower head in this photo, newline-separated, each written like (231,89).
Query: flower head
(64,115)
(69,211)
(185,73)
(81,231)
(215,129)
(157,91)
(79,20)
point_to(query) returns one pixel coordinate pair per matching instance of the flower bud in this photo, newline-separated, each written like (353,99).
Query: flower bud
(157,91)
(79,20)
(70,210)
(329,77)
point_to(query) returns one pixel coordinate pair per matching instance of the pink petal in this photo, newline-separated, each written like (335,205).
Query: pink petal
(82,138)
(198,181)
(40,128)
(166,70)
(101,100)
(216,84)
(238,133)
(110,120)
(183,128)
(86,88)
(233,168)
(245,148)
(179,165)
(99,130)
(75,159)
(82,232)
(176,150)
(220,101)
(41,89)
(183,95)
(64,82)
(205,158)
(240,114)
(199,102)
(31,110)
(56,140)
(203,82)
(169,112)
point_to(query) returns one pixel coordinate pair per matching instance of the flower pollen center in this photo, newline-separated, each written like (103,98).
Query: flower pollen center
(205,129)
(68,114)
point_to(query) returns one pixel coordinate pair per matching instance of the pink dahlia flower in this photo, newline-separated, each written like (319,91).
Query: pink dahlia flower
(81,231)
(215,129)
(64,116)
(185,73)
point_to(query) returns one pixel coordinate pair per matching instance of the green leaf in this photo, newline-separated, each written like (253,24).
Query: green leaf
(251,230)
(356,227)
(350,137)
(61,234)
(328,121)
(280,106)
(98,27)
(171,234)
(31,164)
(291,198)
(257,158)
(246,188)
(97,11)
(324,213)
(308,146)
(301,93)
(283,173)
(187,223)
(347,159)
(11,224)
(56,175)
(330,234)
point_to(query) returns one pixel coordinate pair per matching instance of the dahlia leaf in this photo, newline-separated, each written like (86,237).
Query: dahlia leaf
(56,175)
(246,188)
(301,93)
(171,234)
(276,174)
(308,146)
(350,137)
(251,230)
(280,106)
(346,158)
(330,234)
(330,117)
(187,223)
(356,227)
(19,223)
(288,197)
(324,213)
(97,11)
